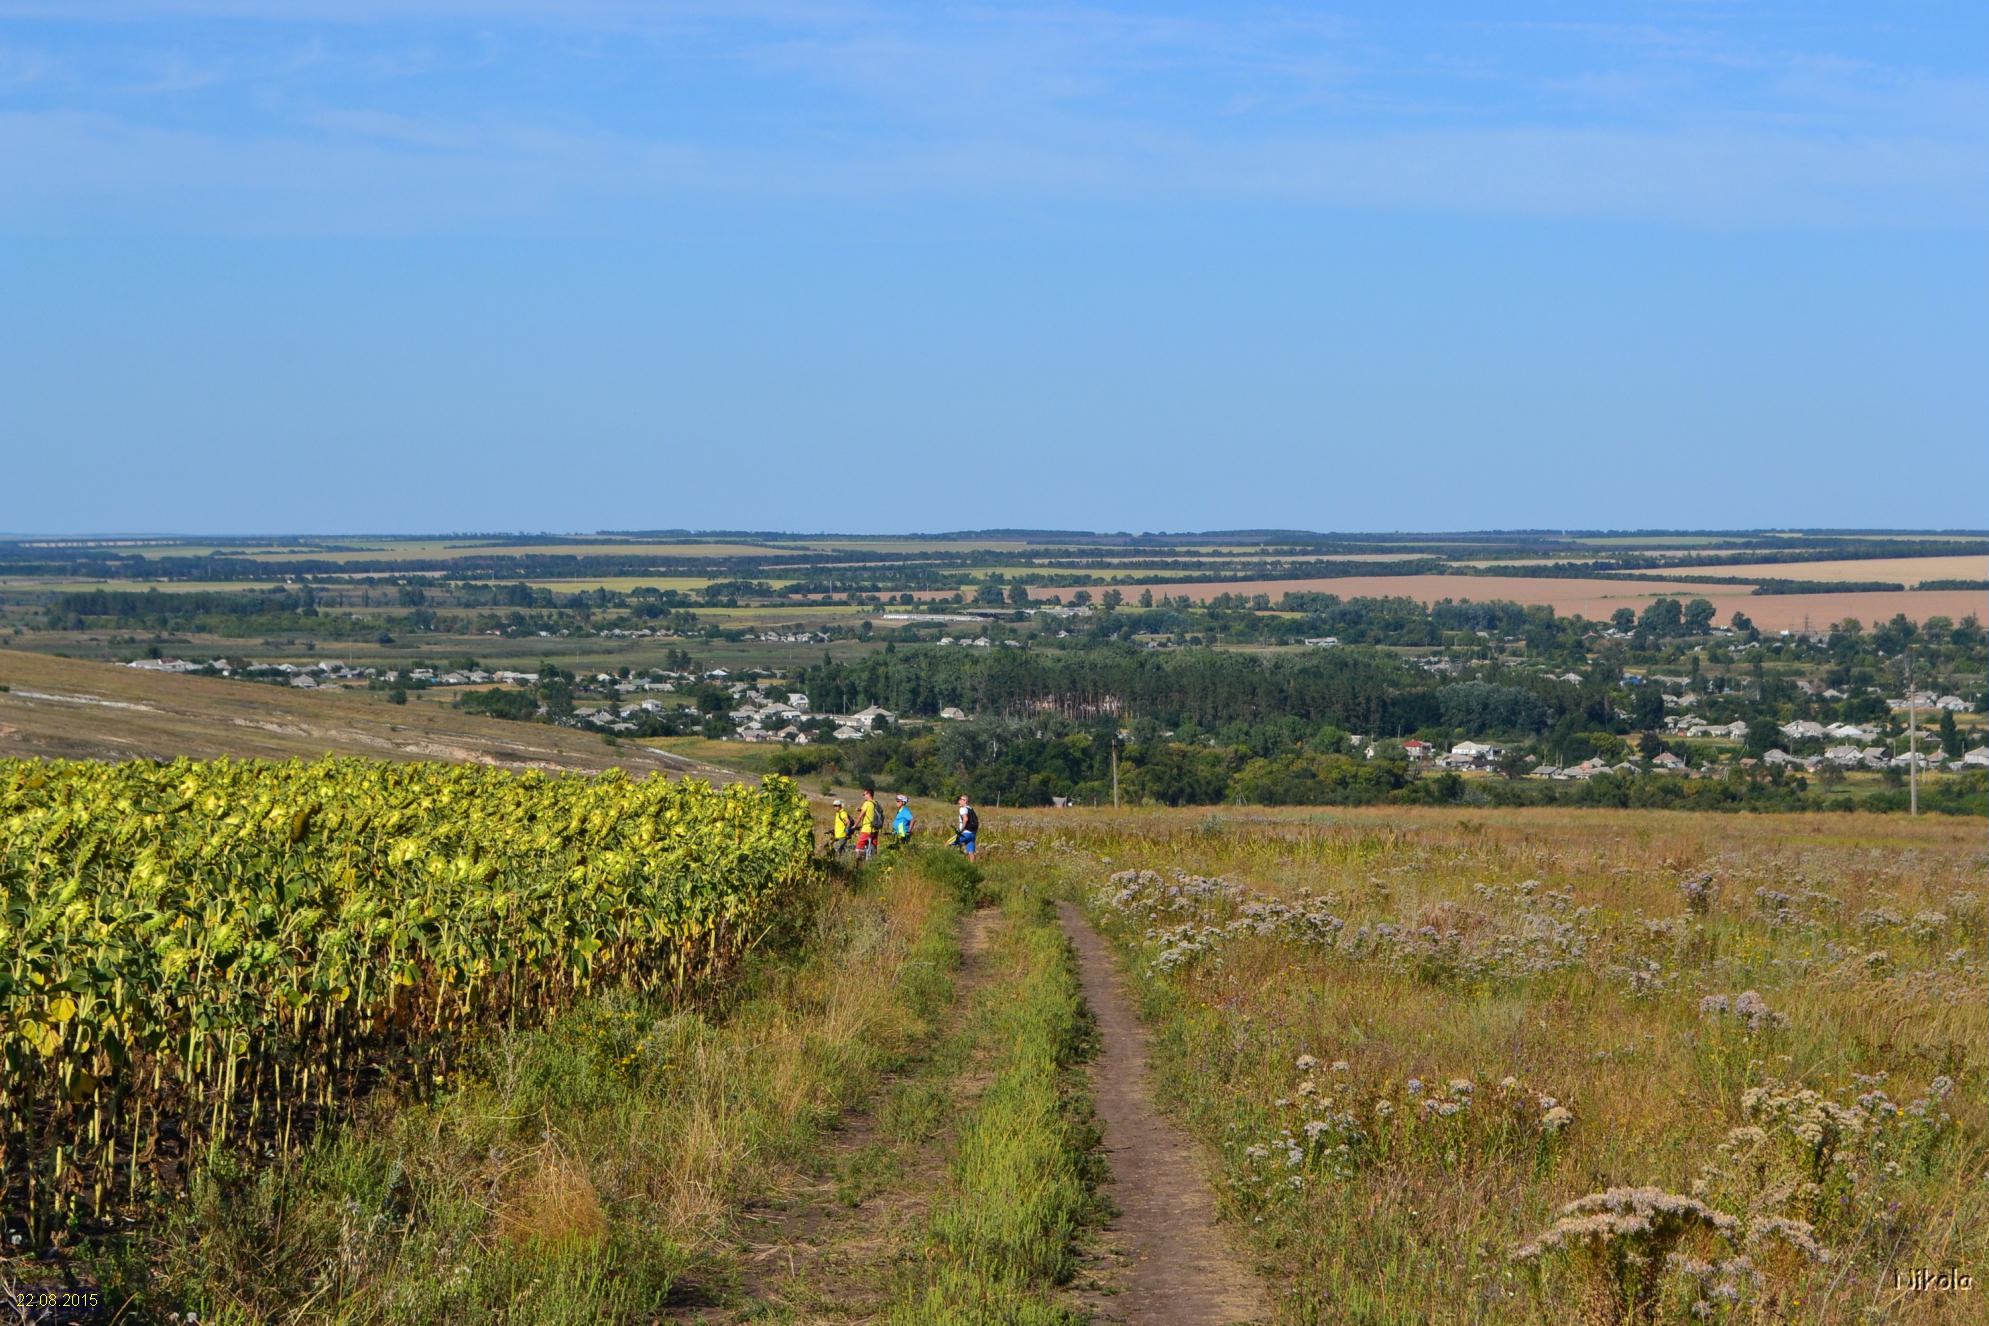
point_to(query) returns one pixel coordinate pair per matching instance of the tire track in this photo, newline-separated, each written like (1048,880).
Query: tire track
(1166,1262)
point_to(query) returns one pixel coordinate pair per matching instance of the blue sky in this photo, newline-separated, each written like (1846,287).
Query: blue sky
(571,264)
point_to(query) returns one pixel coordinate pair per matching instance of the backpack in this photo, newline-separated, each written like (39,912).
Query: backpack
(973,821)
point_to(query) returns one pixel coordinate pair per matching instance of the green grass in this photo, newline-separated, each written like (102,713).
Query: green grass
(1002,1236)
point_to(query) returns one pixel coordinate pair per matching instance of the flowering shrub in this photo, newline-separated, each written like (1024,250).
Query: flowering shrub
(1700,890)
(1333,1123)
(1620,1245)
(1746,1010)
(1447,945)
(1828,1163)
(1630,1250)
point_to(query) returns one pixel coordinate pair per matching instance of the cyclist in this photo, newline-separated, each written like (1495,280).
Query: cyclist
(969,828)
(839,827)
(869,820)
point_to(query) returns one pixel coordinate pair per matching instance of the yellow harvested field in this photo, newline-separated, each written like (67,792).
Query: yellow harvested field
(441,550)
(1791,612)
(908,545)
(1585,555)
(1908,571)
(71,585)
(1214,559)
(622,583)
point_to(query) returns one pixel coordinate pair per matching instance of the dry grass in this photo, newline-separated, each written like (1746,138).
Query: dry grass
(64,708)
(555,1204)
(1554,955)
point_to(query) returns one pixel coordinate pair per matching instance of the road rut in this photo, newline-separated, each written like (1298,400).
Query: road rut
(1167,1262)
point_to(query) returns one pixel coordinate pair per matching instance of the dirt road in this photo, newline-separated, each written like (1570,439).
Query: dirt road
(1167,1262)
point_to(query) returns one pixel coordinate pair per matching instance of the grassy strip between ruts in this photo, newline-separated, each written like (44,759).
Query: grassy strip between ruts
(582,1172)
(1002,1234)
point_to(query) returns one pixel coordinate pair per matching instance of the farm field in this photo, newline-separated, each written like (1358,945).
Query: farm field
(46,583)
(1644,542)
(911,545)
(451,549)
(264,939)
(1592,598)
(1583,555)
(626,583)
(1596,599)
(1908,571)
(1790,612)
(491,1095)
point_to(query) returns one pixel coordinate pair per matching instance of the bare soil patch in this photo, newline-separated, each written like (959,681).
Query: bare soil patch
(1166,1262)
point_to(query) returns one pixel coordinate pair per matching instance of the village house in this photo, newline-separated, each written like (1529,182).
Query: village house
(164,665)
(1737,728)
(1471,755)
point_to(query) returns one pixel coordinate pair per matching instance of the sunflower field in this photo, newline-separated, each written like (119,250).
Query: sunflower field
(203,954)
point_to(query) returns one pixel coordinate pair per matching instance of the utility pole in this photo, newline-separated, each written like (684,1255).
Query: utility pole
(1912,742)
